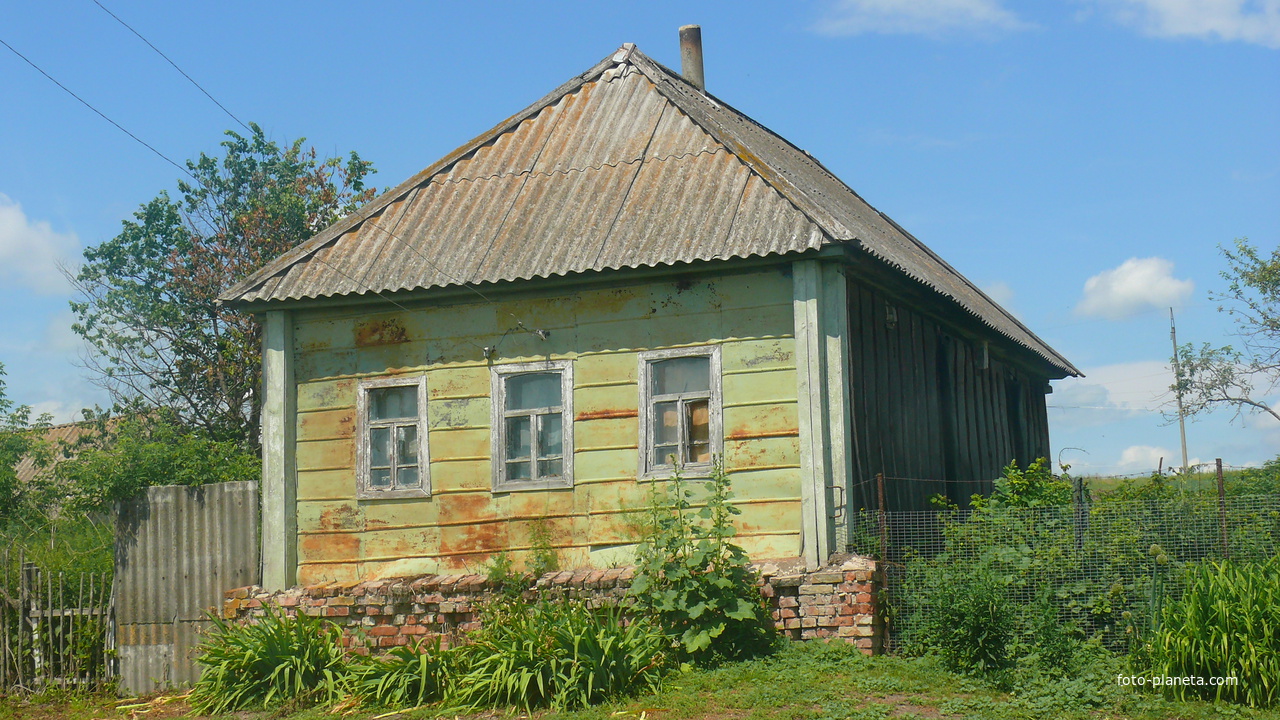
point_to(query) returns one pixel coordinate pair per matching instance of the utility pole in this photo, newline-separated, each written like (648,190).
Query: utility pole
(1177,379)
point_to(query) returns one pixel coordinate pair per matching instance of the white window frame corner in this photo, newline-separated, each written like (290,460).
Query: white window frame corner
(497,425)
(362,439)
(695,471)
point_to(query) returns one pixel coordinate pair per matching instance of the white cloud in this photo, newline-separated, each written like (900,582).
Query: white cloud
(1138,284)
(1249,21)
(1000,292)
(1110,393)
(920,17)
(30,251)
(1148,458)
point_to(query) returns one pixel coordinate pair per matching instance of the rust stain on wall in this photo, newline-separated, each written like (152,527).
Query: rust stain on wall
(373,333)
(606,415)
(343,517)
(345,546)
(747,434)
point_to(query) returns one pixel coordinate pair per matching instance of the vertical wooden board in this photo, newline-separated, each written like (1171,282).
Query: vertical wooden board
(330,516)
(326,485)
(326,394)
(758,354)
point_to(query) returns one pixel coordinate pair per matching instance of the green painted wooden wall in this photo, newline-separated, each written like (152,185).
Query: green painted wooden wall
(341,538)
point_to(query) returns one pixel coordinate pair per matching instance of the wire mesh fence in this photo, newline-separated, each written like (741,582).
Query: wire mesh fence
(1105,567)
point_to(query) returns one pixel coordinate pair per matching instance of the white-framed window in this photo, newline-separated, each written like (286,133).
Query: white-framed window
(680,415)
(532,438)
(391,438)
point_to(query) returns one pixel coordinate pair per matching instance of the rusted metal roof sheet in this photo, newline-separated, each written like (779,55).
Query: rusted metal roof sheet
(625,166)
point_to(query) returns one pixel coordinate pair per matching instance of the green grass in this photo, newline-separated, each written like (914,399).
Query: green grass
(809,681)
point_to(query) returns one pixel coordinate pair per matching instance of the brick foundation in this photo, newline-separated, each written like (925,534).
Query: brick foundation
(836,602)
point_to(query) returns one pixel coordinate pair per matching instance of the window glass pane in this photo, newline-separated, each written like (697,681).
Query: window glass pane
(698,422)
(666,423)
(549,468)
(407,477)
(380,478)
(518,470)
(518,437)
(682,375)
(407,445)
(663,454)
(393,403)
(550,442)
(534,390)
(380,447)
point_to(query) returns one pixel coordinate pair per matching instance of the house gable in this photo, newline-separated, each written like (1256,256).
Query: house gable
(625,166)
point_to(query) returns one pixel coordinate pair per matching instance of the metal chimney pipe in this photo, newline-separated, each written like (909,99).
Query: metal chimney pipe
(691,56)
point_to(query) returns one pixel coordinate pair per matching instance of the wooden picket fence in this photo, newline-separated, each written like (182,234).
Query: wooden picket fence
(54,628)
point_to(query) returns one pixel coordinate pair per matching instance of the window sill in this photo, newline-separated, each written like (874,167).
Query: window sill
(392,494)
(688,472)
(519,486)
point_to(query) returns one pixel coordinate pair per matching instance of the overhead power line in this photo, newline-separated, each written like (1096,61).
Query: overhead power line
(98,112)
(174,64)
(520,326)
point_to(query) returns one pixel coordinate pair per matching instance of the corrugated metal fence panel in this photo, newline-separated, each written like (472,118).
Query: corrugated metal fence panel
(177,550)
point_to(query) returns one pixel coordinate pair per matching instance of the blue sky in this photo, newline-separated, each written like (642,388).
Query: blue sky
(1081,160)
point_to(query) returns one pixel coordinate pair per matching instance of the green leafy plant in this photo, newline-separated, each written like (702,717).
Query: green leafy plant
(543,557)
(1036,486)
(557,654)
(967,621)
(1226,624)
(694,580)
(407,676)
(278,658)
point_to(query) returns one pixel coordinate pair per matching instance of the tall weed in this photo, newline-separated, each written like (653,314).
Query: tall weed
(276,659)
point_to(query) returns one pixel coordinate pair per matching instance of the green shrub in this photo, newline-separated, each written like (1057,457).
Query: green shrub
(405,677)
(275,659)
(1226,624)
(556,654)
(694,580)
(965,619)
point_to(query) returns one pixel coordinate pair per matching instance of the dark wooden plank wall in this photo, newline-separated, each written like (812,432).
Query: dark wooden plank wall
(926,413)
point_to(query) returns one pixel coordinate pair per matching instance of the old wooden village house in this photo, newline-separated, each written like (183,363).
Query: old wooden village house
(626,274)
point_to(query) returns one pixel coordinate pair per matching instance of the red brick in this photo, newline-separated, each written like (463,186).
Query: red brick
(383,630)
(788,602)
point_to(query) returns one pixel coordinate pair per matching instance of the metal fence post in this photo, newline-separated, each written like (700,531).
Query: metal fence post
(1222,511)
(880,514)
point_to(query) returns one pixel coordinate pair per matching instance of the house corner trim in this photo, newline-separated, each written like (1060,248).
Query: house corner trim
(279,472)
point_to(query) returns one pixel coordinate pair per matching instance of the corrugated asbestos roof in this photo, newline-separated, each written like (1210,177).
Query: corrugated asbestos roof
(624,166)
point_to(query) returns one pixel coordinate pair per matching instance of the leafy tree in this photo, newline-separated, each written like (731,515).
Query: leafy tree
(133,453)
(1209,377)
(148,309)
(19,439)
